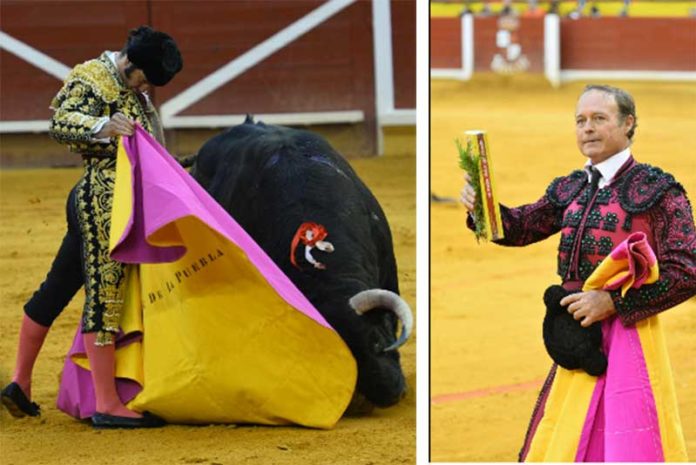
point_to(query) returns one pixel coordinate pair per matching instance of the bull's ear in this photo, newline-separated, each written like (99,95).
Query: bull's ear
(249,119)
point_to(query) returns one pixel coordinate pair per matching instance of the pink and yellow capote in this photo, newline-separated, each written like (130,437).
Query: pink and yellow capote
(212,330)
(629,414)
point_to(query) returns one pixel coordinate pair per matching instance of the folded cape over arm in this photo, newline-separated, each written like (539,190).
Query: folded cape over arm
(628,414)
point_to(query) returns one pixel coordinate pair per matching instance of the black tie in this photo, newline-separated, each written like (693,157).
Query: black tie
(594,180)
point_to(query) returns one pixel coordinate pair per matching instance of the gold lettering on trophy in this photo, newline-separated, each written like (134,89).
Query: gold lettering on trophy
(485,173)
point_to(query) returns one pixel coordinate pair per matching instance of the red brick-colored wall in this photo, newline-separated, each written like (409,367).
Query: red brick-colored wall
(403,18)
(610,43)
(660,44)
(446,46)
(330,68)
(445,43)
(70,32)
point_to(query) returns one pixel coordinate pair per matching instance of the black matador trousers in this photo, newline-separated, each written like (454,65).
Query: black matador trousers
(83,259)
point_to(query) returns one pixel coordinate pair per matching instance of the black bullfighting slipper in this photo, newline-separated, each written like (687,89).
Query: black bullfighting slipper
(16,402)
(104,420)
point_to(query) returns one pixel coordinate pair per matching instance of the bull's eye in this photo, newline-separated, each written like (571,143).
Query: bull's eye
(377,347)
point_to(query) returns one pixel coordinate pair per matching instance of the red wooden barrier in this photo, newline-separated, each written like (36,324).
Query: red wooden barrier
(330,68)
(445,43)
(659,44)
(609,43)
(403,15)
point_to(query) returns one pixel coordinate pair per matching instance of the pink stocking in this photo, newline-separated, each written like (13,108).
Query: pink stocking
(31,338)
(102,361)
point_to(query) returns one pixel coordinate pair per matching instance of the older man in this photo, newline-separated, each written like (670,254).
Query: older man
(101,100)
(595,209)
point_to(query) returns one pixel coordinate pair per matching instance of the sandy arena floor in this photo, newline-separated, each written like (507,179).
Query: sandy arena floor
(488,360)
(31,228)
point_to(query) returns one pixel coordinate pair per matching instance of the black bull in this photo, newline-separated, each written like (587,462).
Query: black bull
(273,179)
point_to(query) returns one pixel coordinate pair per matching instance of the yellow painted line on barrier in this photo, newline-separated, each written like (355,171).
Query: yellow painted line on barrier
(637,9)
(485,392)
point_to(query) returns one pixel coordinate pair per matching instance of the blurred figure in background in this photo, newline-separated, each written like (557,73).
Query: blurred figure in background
(486,10)
(533,9)
(594,11)
(467,10)
(577,12)
(554,7)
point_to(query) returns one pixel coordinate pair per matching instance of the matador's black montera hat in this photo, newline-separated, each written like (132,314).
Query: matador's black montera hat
(155,53)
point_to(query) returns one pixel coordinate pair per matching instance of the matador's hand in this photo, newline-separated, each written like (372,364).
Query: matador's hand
(468,195)
(118,125)
(589,307)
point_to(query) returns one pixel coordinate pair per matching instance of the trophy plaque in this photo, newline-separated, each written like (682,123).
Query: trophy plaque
(475,159)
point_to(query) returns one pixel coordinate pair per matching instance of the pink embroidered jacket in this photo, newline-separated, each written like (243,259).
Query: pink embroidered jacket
(639,198)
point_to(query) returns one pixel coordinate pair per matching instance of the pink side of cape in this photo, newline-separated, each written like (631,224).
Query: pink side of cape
(622,423)
(638,254)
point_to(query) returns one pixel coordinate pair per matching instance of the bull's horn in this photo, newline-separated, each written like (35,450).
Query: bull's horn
(375,298)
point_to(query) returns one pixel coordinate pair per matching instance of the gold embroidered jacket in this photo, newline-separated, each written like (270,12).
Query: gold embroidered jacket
(92,93)
(94,90)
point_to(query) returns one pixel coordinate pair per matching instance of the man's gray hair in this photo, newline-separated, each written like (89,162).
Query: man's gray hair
(624,100)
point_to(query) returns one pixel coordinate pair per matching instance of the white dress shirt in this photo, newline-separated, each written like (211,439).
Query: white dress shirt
(608,167)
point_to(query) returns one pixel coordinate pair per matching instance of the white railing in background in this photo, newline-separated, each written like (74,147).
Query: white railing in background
(387,114)
(552,49)
(31,55)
